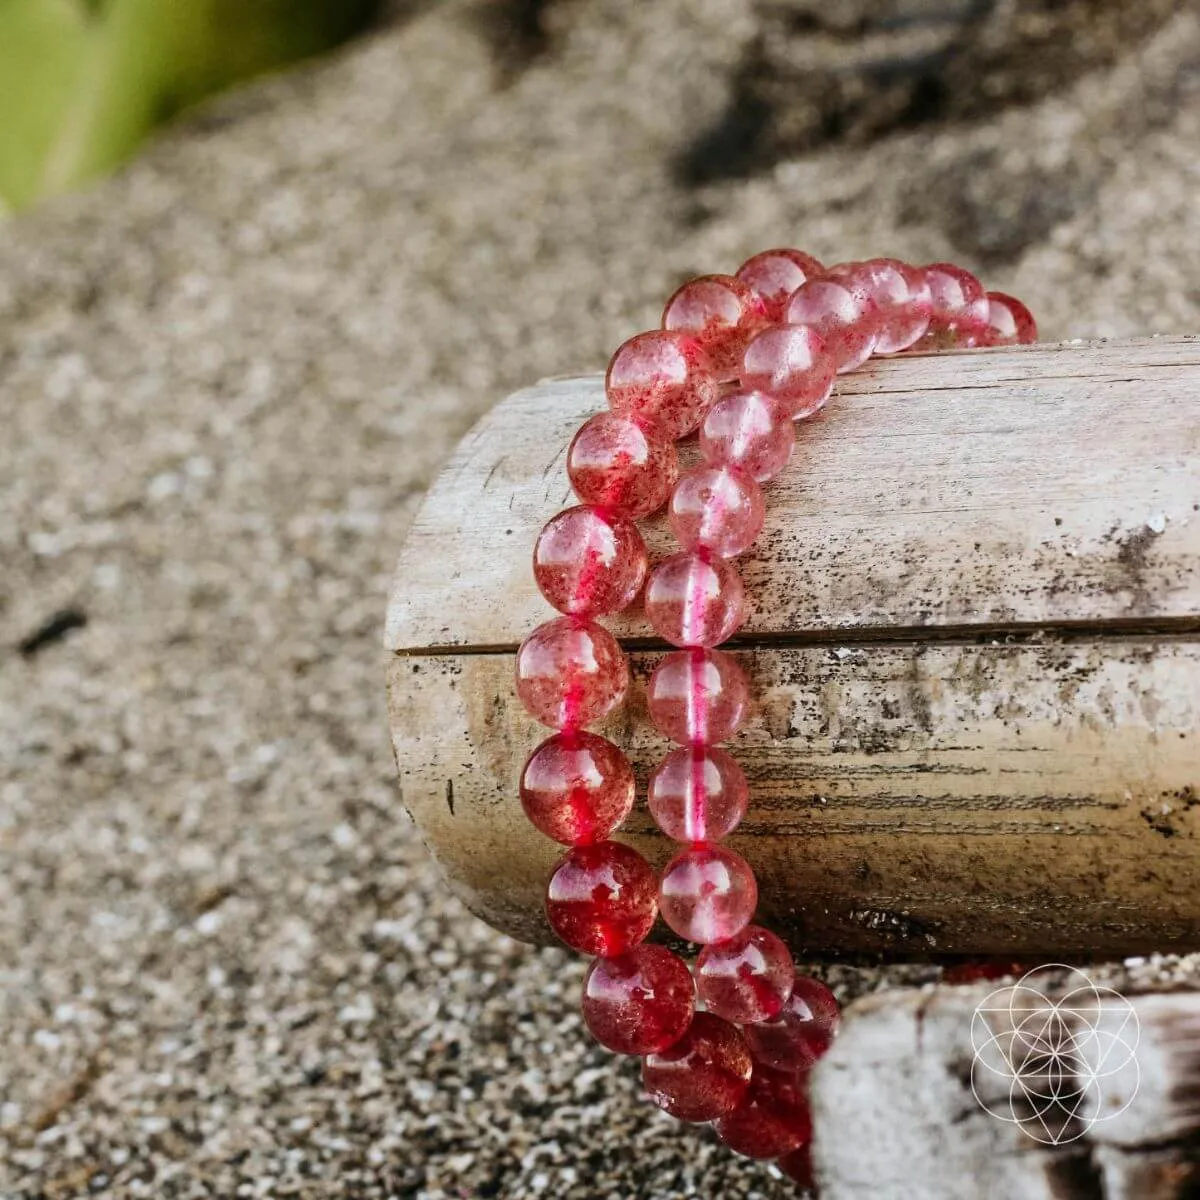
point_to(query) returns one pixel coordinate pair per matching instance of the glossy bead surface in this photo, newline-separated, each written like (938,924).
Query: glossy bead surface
(958,303)
(747,978)
(773,1118)
(698,696)
(589,563)
(843,320)
(616,464)
(789,363)
(802,1032)
(707,894)
(897,298)
(704,1075)
(745,430)
(721,313)
(640,1002)
(718,509)
(664,380)
(601,898)
(692,600)
(1009,321)
(698,794)
(775,275)
(577,787)
(571,673)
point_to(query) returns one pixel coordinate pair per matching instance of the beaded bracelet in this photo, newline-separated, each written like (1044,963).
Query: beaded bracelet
(741,358)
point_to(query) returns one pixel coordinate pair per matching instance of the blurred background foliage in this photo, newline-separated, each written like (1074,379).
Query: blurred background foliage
(82,82)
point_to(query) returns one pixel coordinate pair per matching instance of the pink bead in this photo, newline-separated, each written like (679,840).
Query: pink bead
(695,601)
(773,1118)
(775,275)
(721,313)
(588,563)
(802,1032)
(614,463)
(704,1075)
(577,787)
(663,379)
(1009,321)
(747,978)
(640,1002)
(746,431)
(958,303)
(698,697)
(718,509)
(707,894)
(570,673)
(790,363)
(698,794)
(601,898)
(843,320)
(896,295)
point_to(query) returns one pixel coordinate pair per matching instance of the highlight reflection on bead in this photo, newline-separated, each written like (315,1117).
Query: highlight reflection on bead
(703,1075)
(615,463)
(589,563)
(707,894)
(803,1031)
(745,430)
(718,509)
(698,697)
(577,787)
(698,794)
(721,313)
(639,1002)
(571,673)
(662,379)
(692,600)
(843,320)
(601,898)
(776,274)
(790,364)
(746,978)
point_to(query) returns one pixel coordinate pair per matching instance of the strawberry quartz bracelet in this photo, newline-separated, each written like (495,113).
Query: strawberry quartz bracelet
(740,358)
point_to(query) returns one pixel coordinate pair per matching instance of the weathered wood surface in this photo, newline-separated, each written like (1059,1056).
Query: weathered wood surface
(976,652)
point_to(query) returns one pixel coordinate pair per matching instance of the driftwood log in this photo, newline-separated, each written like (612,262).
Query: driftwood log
(975,647)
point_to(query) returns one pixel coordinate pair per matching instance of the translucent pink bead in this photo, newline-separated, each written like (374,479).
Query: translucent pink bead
(775,275)
(844,321)
(802,1032)
(721,313)
(588,563)
(664,379)
(707,894)
(616,464)
(790,363)
(745,430)
(698,794)
(570,673)
(704,1075)
(601,898)
(577,787)
(693,600)
(718,509)
(640,1002)
(772,1119)
(698,697)
(897,297)
(747,978)
(958,303)
(1009,321)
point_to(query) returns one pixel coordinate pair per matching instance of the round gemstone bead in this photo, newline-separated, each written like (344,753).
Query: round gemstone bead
(1009,321)
(747,978)
(721,313)
(577,787)
(663,379)
(802,1032)
(773,1118)
(896,296)
(693,600)
(698,794)
(704,1075)
(698,697)
(746,431)
(958,303)
(617,464)
(707,894)
(601,898)
(790,363)
(775,275)
(843,320)
(588,563)
(570,673)
(799,1166)
(718,509)
(640,1002)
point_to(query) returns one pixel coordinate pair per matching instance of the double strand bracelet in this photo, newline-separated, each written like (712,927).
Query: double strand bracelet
(740,357)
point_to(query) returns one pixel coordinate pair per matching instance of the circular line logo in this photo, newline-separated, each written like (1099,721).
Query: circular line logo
(1042,1063)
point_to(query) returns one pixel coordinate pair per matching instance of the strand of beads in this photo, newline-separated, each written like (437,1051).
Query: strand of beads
(742,358)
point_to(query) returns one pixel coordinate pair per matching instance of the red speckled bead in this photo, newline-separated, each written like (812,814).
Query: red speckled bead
(718,509)
(704,1075)
(692,600)
(707,894)
(1009,321)
(615,463)
(802,1032)
(841,318)
(697,697)
(664,380)
(746,431)
(897,297)
(571,673)
(775,275)
(790,363)
(640,1002)
(698,794)
(747,978)
(601,898)
(798,1166)
(773,1118)
(588,563)
(577,787)
(721,313)
(958,303)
